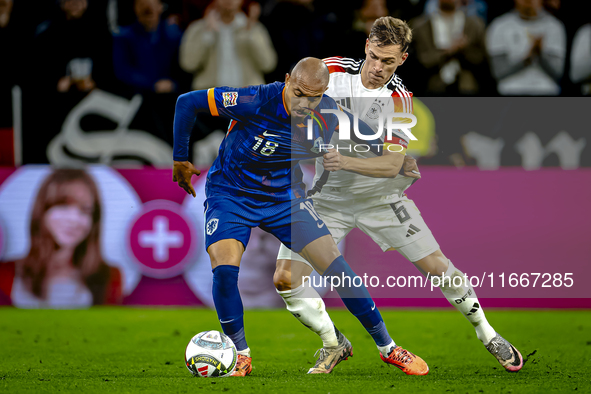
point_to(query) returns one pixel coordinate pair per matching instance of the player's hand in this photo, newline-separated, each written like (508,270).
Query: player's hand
(182,173)
(334,161)
(410,167)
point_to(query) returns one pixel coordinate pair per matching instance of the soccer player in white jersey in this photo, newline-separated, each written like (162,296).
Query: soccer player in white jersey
(373,186)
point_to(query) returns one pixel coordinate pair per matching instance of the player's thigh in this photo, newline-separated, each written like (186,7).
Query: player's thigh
(228,225)
(295,223)
(321,253)
(338,216)
(291,266)
(225,252)
(397,225)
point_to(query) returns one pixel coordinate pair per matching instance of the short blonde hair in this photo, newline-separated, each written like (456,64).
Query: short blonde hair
(390,31)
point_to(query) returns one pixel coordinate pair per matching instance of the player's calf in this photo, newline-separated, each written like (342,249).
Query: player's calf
(462,296)
(306,305)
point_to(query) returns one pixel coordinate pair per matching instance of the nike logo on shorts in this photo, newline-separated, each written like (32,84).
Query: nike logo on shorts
(320,225)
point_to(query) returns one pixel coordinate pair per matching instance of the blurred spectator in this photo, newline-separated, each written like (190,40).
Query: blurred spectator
(193,10)
(527,48)
(553,7)
(353,40)
(64,267)
(122,12)
(450,46)
(227,47)
(74,49)
(10,69)
(580,59)
(470,7)
(406,9)
(299,29)
(145,54)
(5,11)
(367,15)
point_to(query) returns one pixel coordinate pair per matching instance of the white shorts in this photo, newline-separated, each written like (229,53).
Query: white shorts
(391,221)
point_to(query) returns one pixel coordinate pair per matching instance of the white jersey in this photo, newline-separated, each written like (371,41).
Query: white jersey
(346,88)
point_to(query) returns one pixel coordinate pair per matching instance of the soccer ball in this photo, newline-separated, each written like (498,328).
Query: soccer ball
(211,354)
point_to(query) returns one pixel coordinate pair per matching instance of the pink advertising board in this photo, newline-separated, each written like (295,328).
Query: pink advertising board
(522,238)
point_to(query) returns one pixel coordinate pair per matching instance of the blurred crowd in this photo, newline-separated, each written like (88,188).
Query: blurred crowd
(57,51)
(460,47)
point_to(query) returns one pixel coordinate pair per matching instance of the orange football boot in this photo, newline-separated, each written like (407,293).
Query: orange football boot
(409,363)
(243,366)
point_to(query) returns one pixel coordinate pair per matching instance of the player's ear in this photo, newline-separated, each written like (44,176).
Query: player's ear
(366,45)
(403,58)
(286,77)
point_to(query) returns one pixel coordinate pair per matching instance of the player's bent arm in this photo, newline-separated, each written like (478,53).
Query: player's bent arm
(185,115)
(386,166)
(187,107)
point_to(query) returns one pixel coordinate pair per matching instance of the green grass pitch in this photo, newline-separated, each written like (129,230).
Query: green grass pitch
(130,350)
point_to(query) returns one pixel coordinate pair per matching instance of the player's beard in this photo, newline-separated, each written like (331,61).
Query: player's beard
(298,117)
(296,120)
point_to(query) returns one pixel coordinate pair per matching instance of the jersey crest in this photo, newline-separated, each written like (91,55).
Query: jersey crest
(230,99)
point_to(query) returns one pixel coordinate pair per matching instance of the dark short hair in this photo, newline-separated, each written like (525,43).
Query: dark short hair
(391,31)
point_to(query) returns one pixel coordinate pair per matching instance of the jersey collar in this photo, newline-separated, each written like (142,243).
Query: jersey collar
(283,100)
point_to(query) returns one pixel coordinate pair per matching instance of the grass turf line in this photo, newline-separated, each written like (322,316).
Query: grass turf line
(112,349)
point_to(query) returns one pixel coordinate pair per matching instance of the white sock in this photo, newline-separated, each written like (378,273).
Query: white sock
(307,306)
(386,349)
(464,298)
(244,352)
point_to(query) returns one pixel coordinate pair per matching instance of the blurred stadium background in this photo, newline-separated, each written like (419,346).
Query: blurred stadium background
(94,82)
(504,152)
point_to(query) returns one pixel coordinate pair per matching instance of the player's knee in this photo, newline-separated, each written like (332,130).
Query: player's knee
(436,264)
(225,252)
(282,279)
(224,260)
